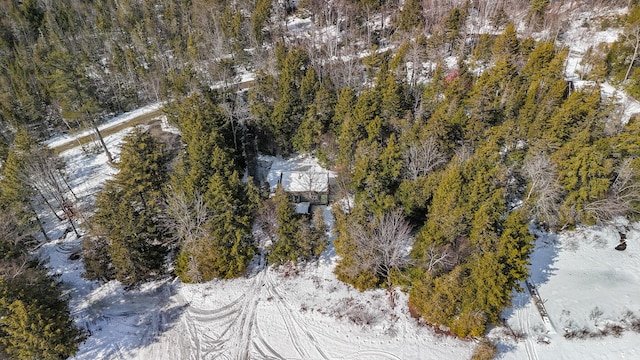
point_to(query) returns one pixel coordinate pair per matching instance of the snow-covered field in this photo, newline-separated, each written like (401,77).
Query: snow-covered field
(585,284)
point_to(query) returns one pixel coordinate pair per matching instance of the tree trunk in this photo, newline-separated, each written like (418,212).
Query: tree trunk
(104,146)
(46,237)
(48,204)
(635,54)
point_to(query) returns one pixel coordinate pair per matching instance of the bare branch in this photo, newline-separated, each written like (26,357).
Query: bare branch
(382,244)
(185,217)
(43,171)
(623,196)
(437,258)
(544,187)
(422,159)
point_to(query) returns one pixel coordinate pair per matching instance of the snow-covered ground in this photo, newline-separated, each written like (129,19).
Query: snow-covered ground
(267,314)
(582,281)
(115,121)
(585,284)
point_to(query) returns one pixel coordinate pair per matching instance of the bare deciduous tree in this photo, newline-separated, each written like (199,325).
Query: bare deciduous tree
(382,244)
(44,172)
(185,217)
(623,197)
(343,187)
(267,222)
(437,258)
(544,187)
(633,37)
(421,159)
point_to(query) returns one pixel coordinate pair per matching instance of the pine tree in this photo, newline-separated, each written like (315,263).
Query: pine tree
(128,212)
(349,269)
(259,18)
(446,220)
(585,173)
(230,241)
(411,17)
(516,243)
(488,283)
(506,43)
(204,129)
(15,190)
(438,300)
(311,237)
(286,247)
(34,318)
(487,222)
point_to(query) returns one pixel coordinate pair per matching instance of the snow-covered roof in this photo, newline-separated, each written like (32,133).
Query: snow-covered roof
(304,181)
(298,174)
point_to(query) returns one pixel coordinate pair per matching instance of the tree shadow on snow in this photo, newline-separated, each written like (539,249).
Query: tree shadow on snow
(124,321)
(542,258)
(542,268)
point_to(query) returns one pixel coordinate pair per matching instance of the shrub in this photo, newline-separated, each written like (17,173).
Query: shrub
(486,350)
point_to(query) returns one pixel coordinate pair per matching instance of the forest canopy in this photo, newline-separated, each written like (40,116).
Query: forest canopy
(448,165)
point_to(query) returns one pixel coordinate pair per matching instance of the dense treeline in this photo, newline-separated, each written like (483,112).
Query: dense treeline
(448,166)
(34,317)
(66,64)
(471,165)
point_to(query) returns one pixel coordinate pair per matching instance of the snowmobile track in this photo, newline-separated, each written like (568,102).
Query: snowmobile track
(292,322)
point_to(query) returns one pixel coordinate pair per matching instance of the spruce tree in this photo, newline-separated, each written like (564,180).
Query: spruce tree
(34,318)
(411,17)
(128,211)
(286,247)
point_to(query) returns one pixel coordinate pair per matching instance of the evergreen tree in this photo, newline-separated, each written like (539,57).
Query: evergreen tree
(34,318)
(259,18)
(411,17)
(128,211)
(349,268)
(516,243)
(506,43)
(286,247)
(15,190)
(446,219)
(230,246)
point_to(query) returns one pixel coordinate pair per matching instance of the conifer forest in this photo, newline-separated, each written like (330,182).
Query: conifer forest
(450,125)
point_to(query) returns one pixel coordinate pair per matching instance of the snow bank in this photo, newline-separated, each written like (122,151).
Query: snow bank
(115,121)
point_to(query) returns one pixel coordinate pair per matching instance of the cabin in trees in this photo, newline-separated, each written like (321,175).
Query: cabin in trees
(306,188)
(302,178)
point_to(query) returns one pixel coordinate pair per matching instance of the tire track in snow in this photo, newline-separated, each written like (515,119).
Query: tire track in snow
(247,318)
(292,322)
(263,341)
(192,335)
(220,312)
(195,321)
(524,320)
(368,354)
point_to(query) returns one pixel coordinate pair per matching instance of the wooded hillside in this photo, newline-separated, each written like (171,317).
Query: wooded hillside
(452,130)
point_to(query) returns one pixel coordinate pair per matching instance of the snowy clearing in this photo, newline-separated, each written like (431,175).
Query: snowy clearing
(267,314)
(585,284)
